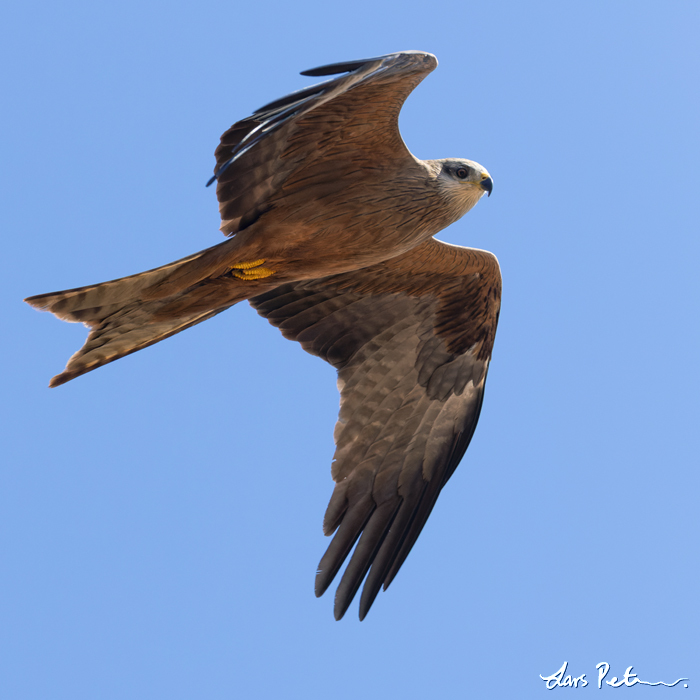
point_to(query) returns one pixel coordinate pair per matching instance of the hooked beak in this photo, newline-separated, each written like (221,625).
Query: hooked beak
(486,184)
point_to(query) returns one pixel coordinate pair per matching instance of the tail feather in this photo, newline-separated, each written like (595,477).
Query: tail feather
(89,304)
(122,333)
(121,319)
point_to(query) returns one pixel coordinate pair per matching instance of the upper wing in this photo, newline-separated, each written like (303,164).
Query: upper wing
(313,136)
(411,339)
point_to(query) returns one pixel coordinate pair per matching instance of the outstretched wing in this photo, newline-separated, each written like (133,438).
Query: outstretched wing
(411,339)
(317,136)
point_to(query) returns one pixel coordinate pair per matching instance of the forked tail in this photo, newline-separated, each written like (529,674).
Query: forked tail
(123,316)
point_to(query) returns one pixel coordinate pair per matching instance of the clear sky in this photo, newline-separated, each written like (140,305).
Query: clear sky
(161,517)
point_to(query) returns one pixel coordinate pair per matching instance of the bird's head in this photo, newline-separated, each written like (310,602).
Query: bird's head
(462,182)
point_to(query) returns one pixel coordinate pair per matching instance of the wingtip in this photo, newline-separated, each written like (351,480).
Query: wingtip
(324,577)
(369,595)
(341,607)
(341,67)
(320,586)
(349,66)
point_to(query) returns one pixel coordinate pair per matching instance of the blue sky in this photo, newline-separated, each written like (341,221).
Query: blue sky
(161,517)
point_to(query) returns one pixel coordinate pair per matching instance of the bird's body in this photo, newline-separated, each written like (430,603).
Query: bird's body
(331,221)
(329,235)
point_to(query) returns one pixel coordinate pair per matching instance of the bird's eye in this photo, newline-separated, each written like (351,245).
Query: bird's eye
(462,173)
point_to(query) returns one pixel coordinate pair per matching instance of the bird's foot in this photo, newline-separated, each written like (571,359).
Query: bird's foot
(251,270)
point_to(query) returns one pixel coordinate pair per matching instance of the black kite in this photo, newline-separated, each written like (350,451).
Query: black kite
(331,222)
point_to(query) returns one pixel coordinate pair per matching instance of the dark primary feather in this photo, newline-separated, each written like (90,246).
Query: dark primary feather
(411,392)
(335,68)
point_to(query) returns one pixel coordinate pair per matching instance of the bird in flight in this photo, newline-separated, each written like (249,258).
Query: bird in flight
(330,220)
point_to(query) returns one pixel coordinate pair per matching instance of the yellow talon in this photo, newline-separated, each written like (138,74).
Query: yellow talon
(247,265)
(251,270)
(255,274)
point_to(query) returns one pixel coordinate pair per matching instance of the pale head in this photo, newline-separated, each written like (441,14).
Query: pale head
(462,182)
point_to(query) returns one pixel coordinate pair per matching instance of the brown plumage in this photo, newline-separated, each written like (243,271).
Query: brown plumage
(331,222)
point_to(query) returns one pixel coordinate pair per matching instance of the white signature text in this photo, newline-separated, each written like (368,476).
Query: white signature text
(561,679)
